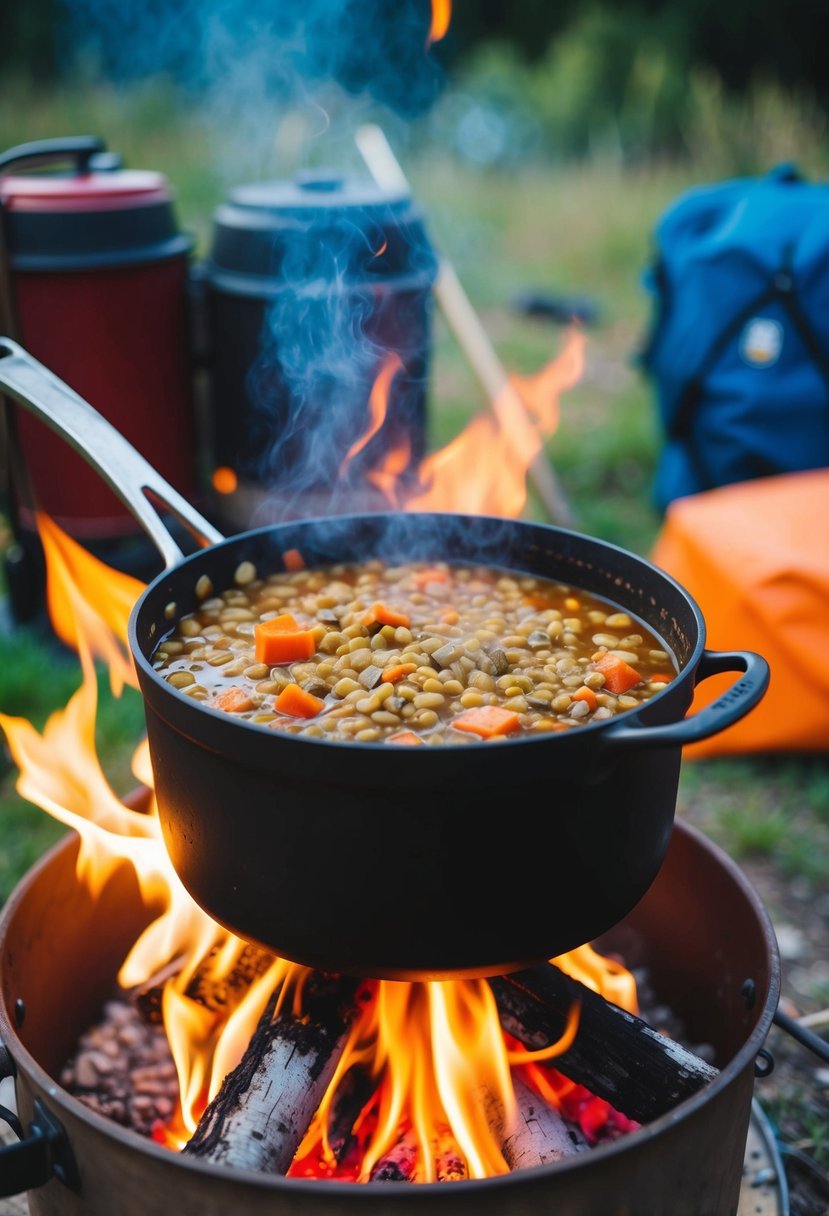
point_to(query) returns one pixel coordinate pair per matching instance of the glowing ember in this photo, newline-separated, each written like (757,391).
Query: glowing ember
(438,1067)
(224,480)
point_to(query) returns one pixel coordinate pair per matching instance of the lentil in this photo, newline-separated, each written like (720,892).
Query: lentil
(521,645)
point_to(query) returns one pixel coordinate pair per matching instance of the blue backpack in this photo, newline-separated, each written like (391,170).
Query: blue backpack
(738,348)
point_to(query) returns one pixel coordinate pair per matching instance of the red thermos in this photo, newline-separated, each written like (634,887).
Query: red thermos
(97,283)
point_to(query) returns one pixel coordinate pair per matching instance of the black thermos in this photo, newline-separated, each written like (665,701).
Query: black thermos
(312,287)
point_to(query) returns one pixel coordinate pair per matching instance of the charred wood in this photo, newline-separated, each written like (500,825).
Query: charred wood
(263,1109)
(399,1163)
(616,1055)
(353,1092)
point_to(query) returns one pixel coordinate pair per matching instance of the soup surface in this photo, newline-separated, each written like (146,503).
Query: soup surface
(411,654)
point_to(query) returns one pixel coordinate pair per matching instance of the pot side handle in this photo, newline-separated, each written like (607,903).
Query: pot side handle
(125,470)
(718,716)
(42,1152)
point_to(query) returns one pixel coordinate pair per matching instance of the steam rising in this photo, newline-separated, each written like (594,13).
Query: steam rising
(236,52)
(300,73)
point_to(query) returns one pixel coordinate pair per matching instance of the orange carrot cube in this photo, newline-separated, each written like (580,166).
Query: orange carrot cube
(298,703)
(406,737)
(233,701)
(585,694)
(488,721)
(381,614)
(398,672)
(275,645)
(619,676)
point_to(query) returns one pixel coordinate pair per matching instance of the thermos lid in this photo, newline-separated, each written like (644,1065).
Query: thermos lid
(95,216)
(316,232)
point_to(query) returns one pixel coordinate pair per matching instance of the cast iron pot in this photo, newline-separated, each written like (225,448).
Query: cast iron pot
(405,862)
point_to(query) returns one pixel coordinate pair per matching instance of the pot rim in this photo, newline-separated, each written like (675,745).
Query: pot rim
(25,1061)
(189,714)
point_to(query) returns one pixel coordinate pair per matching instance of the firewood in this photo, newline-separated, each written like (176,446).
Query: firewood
(353,1092)
(398,1164)
(615,1055)
(263,1109)
(540,1136)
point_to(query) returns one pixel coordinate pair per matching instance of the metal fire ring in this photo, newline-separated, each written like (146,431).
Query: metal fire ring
(763,1192)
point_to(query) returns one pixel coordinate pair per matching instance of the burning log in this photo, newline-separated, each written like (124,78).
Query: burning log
(399,1163)
(615,1055)
(263,1109)
(353,1092)
(541,1136)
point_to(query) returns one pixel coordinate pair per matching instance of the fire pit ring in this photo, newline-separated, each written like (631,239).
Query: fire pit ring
(59,952)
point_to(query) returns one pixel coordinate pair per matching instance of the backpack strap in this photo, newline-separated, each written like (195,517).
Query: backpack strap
(680,425)
(782,288)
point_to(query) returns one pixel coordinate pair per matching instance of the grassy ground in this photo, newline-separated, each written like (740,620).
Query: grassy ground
(585,231)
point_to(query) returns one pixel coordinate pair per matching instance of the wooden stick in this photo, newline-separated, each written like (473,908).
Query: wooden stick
(472,338)
(615,1055)
(541,1137)
(264,1107)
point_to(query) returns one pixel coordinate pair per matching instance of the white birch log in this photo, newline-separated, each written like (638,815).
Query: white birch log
(540,1137)
(264,1107)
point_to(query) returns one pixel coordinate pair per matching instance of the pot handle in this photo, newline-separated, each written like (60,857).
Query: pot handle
(42,1152)
(720,714)
(125,470)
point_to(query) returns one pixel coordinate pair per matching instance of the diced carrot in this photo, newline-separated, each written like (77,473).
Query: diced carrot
(424,577)
(488,721)
(407,737)
(233,701)
(400,670)
(585,694)
(274,645)
(661,677)
(283,624)
(539,602)
(293,560)
(381,614)
(450,617)
(297,702)
(619,676)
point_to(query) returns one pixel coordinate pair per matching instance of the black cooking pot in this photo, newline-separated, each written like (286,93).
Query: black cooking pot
(406,862)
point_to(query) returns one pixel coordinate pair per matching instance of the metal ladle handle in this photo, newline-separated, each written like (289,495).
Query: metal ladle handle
(125,470)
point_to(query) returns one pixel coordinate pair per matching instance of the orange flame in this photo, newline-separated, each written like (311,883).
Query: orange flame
(483,471)
(377,407)
(441,16)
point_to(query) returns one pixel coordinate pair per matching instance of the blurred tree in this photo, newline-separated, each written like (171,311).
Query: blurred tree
(741,40)
(27,38)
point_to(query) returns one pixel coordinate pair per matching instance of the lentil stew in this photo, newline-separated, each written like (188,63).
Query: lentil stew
(410,654)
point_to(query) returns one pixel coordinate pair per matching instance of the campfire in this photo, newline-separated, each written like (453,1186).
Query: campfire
(253,1062)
